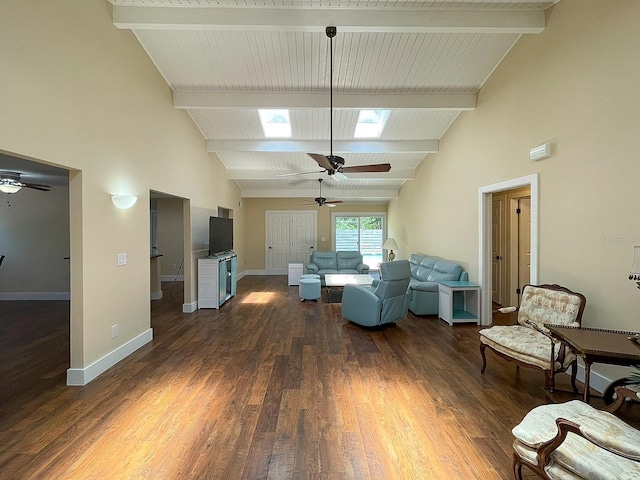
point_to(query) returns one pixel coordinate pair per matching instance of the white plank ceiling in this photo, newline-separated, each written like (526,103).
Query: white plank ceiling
(425,61)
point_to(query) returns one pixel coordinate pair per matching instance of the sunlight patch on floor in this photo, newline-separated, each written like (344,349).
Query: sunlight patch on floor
(259,297)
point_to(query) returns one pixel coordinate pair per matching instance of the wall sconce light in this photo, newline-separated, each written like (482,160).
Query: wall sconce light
(635,270)
(540,152)
(124,201)
(390,244)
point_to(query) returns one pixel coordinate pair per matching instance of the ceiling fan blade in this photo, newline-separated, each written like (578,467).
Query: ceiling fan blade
(37,186)
(379,167)
(322,160)
(333,202)
(299,173)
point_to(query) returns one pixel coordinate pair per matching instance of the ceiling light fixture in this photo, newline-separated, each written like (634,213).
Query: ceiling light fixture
(7,186)
(11,182)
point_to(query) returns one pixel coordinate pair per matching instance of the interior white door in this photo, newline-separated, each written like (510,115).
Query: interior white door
(278,243)
(303,236)
(291,237)
(498,245)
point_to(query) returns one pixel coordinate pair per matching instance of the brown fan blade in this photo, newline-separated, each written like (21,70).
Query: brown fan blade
(379,167)
(322,160)
(333,202)
(37,186)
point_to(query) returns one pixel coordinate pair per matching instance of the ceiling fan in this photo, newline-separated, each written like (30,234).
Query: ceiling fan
(10,183)
(320,200)
(334,164)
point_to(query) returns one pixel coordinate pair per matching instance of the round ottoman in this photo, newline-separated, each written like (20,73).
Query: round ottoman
(309,289)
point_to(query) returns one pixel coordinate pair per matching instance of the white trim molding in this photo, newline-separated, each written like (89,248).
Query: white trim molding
(81,376)
(189,307)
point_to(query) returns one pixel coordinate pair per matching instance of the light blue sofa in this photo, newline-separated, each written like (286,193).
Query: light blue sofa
(322,263)
(426,272)
(385,301)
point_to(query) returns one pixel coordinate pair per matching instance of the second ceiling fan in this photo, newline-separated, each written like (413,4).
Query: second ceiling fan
(334,164)
(320,200)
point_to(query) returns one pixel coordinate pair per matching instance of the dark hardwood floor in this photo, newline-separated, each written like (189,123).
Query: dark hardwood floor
(266,387)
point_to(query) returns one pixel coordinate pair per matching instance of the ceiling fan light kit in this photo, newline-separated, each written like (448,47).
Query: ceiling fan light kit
(10,183)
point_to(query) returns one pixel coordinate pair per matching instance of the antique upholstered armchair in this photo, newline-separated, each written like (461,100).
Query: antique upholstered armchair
(574,440)
(383,302)
(528,343)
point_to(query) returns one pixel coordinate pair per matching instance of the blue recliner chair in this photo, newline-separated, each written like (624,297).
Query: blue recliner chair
(385,301)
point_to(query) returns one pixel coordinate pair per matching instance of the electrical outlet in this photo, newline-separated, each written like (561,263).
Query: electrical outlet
(122,259)
(174,266)
(114,331)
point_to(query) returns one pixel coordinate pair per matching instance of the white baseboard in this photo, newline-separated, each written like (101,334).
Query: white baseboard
(189,307)
(156,295)
(597,381)
(82,376)
(255,272)
(35,296)
(241,275)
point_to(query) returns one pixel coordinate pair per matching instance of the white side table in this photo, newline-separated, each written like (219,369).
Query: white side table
(295,271)
(459,302)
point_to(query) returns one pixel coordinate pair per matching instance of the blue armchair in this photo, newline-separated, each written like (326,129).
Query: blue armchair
(383,302)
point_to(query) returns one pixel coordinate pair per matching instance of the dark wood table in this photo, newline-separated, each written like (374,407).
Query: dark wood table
(595,345)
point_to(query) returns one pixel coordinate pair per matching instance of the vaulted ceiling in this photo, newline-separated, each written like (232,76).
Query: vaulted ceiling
(424,61)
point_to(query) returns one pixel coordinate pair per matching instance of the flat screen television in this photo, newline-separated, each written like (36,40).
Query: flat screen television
(220,235)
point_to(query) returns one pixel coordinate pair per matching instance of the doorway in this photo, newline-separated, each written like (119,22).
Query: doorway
(167,240)
(510,244)
(485,212)
(290,237)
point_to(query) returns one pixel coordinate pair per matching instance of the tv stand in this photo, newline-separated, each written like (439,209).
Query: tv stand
(216,279)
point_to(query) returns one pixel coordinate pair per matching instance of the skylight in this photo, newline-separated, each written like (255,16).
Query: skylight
(275,123)
(371,123)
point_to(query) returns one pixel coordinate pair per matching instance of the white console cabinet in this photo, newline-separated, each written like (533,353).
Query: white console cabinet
(295,272)
(216,279)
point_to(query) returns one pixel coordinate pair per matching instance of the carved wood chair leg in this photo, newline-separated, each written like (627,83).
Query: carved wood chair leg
(549,380)
(574,373)
(517,467)
(484,358)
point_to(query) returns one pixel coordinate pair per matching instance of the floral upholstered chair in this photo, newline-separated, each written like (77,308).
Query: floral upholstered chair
(528,343)
(573,440)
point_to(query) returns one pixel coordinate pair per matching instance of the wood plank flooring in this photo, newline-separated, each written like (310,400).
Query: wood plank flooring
(266,387)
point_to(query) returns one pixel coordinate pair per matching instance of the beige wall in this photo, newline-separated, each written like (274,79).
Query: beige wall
(170,237)
(79,93)
(255,215)
(576,85)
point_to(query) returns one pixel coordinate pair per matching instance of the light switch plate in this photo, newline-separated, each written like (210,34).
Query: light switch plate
(122,259)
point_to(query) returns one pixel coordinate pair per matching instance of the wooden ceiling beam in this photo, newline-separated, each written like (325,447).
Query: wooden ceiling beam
(320,100)
(388,20)
(264,174)
(353,146)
